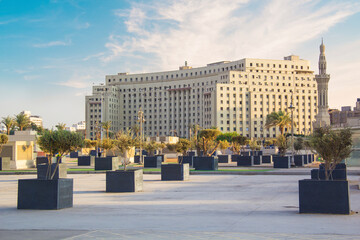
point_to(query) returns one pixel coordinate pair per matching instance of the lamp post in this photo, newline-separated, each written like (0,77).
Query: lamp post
(141,120)
(262,136)
(292,131)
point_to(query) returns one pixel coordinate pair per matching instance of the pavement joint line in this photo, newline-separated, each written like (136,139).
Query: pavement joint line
(84,234)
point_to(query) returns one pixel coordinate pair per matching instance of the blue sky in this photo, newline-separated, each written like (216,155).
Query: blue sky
(52,52)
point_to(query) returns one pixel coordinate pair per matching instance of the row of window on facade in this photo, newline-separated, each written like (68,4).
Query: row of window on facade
(191,73)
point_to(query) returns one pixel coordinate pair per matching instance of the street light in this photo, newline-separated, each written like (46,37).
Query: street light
(141,120)
(292,131)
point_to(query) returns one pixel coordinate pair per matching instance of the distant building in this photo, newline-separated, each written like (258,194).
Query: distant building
(37,120)
(80,126)
(346,117)
(235,96)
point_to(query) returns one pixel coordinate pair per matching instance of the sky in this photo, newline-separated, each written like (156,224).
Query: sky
(53,52)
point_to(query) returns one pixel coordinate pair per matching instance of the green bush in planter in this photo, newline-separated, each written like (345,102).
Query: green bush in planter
(60,143)
(333,146)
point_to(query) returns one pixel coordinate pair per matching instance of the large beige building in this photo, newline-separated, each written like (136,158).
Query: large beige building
(233,96)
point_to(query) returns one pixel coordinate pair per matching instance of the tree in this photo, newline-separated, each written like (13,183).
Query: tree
(136,130)
(227,136)
(208,141)
(106,144)
(237,142)
(89,144)
(3,140)
(106,126)
(223,144)
(278,119)
(61,126)
(182,146)
(195,141)
(254,145)
(161,147)
(9,123)
(332,146)
(150,147)
(58,142)
(123,142)
(282,144)
(298,144)
(22,121)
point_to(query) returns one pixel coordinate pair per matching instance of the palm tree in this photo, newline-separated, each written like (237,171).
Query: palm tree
(106,126)
(61,126)
(9,123)
(22,121)
(136,130)
(278,119)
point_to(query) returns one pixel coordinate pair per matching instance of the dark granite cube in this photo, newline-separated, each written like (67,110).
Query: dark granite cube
(282,162)
(60,171)
(124,181)
(205,163)
(175,172)
(186,159)
(152,162)
(319,196)
(45,194)
(107,163)
(4,163)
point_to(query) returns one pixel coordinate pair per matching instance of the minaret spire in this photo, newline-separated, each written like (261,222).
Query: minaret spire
(322,79)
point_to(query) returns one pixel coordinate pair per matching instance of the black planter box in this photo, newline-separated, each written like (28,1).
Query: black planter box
(107,163)
(186,159)
(256,153)
(86,161)
(337,174)
(244,160)
(311,158)
(163,157)
(257,160)
(282,162)
(266,159)
(93,153)
(124,181)
(306,159)
(175,172)
(4,163)
(191,153)
(245,153)
(152,162)
(339,166)
(41,160)
(224,158)
(319,196)
(137,159)
(45,194)
(205,163)
(61,171)
(299,160)
(74,154)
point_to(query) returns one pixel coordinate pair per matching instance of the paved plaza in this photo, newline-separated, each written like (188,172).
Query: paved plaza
(206,207)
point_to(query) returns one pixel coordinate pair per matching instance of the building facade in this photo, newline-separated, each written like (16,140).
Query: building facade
(233,96)
(346,117)
(37,120)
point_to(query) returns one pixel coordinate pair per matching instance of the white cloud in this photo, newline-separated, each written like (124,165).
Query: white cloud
(52,44)
(206,31)
(93,56)
(77,81)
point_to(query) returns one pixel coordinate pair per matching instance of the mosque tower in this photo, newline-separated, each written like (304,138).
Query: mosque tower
(322,118)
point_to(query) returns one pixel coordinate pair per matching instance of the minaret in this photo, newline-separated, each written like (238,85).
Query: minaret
(322,79)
